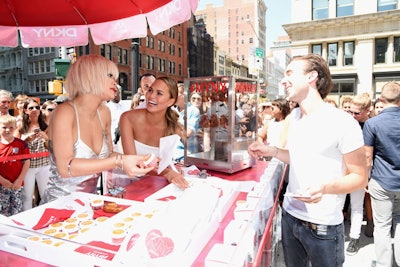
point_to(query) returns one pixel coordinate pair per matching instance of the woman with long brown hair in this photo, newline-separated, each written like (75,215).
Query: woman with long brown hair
(141,129)
(33,130)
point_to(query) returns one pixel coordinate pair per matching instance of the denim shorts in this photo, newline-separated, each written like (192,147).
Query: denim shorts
(304,242)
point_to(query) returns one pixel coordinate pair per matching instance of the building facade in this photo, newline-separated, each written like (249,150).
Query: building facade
(238,28)
(360,39)
(200,50)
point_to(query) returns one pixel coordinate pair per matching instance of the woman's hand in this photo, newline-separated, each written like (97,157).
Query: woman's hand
(133,165)
(178,180)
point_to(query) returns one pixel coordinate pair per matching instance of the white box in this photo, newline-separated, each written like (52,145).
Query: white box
(222,255)
(234,231)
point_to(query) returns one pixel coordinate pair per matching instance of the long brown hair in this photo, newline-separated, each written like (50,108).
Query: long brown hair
(26,120)
(171,116)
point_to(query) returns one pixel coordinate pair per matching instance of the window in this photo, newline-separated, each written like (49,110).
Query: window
(396,48)
(380,50)
(320,9)
(332,54)
(348,53)
(125,56)
(344,8)
(250,40)
(119,55)
(108,52)
(317,49)
(384,5)
(345,86)
(102,50)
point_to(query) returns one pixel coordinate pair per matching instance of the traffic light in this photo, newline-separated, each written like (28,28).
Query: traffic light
(55,87)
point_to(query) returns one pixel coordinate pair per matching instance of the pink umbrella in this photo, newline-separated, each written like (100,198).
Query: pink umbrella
(42,23)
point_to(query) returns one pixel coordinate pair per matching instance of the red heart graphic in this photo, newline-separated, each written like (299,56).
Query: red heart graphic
(158,245)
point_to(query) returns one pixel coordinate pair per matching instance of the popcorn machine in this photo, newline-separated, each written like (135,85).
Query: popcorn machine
(220,123)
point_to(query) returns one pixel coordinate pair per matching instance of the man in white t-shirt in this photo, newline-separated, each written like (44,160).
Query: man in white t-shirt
(327,160)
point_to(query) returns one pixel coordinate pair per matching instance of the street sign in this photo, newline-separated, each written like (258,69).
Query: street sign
(259,52)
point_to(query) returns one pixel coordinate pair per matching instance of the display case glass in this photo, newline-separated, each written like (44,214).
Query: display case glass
(221,121)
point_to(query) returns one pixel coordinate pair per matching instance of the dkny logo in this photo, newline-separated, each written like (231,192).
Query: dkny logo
(55,32)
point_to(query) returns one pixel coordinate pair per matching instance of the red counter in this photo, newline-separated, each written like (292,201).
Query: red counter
(141,189)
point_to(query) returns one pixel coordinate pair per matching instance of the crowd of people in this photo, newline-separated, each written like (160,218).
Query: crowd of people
(333,150)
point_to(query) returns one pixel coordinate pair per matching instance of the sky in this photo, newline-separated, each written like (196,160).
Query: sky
(278,13)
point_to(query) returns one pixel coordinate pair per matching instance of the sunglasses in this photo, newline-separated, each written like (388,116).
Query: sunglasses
(35,107)
(353,113)
(196,98)
(50,109)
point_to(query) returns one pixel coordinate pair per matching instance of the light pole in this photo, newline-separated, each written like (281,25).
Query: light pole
(257,54)
(135,65)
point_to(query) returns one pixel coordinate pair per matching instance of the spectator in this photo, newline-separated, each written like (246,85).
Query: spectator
(377,107)
(312,219)
(19,102)
(136,99)
(331,101)
(271,131)
(193,141)
(247,124)
(12,172)
(5,101)
(145,81)
(382,139)
(47,109)
(33,131)
(80,132)
(346,102)
(158,119)
(265,113)
(360,109)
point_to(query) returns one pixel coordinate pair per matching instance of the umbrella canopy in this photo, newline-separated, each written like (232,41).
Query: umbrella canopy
(43,23)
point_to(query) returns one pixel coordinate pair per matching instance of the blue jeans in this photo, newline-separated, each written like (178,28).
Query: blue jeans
(303,242)
(386,213)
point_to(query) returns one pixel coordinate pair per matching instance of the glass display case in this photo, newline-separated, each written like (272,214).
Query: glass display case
(220,121)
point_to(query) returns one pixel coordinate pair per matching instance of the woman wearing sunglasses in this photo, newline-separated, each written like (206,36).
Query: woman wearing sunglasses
(47,110)
(33,131)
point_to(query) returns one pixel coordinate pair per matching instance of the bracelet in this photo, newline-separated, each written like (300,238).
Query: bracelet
(119,162)
(69,168)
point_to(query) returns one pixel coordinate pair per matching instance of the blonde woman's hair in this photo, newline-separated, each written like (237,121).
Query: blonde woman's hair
(88,75)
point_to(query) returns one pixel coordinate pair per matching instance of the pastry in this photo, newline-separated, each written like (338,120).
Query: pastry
(204,121)
(214,121)
(112,207)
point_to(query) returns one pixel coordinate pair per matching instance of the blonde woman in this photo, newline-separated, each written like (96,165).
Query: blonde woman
(80,133)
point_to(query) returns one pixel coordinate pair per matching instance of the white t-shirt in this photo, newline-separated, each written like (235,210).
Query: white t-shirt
(316,145)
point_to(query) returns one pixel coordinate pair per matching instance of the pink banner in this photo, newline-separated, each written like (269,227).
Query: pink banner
(54,36)
(173,13)
(108,32)
(8,36)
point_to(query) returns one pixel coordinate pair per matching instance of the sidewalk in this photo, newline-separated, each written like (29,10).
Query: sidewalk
(364,257)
